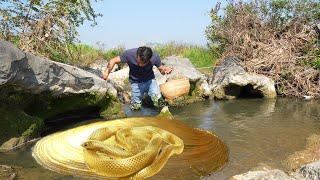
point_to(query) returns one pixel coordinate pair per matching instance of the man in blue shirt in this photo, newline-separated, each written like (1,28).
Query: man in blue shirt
(141,61)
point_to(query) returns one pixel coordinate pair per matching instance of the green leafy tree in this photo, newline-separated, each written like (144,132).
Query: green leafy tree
(45,27)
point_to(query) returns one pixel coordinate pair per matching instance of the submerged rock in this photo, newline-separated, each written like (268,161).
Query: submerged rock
(310,154)
(165,113)
(6,146)
(231,81)
(274,174)
(17,128)
(7,172)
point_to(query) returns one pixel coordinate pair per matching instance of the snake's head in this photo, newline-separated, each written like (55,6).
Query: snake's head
(88,145)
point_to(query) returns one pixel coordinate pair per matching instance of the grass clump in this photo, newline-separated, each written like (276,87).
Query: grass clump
(111,53)
(199,56)
(81,55)
(316,63)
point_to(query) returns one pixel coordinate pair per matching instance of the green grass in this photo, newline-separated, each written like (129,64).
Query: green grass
(82,55)
(199,56)
(111,53)
(316,63)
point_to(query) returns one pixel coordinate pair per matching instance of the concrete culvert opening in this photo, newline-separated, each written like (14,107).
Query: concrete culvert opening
(243,91)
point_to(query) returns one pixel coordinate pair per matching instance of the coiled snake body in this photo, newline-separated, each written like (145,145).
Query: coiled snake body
(111,146)
(137,152)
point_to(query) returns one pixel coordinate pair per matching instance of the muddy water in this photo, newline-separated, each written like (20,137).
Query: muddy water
(257,132)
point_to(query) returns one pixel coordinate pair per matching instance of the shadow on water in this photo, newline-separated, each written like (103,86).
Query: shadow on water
(257,132)
(68,119)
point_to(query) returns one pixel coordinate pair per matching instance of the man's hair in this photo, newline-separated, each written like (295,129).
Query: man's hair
(144,53)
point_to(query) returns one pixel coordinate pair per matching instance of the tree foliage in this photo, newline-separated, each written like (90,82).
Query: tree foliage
(44,27)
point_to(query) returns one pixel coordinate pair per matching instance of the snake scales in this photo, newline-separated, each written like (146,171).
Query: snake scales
(139,152)
(64,152)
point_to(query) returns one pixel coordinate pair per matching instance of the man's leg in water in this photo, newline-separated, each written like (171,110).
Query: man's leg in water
(155,94)
(136,96)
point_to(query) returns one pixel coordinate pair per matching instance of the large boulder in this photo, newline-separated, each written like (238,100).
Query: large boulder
(120,79)
(182,67)
(38,75)
(231,81)
(100,66)
(160,78)
(35,90)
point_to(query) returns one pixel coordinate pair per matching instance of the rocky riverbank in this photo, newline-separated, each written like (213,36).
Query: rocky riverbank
(302,165)
(36,90)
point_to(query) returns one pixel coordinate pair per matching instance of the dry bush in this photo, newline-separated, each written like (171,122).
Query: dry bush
(283,48)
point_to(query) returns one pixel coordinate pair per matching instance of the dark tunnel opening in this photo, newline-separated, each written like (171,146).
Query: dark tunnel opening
(244,92)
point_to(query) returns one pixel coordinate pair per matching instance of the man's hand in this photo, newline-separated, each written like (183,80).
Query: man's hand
(165,69)
(105,74)
(110,66)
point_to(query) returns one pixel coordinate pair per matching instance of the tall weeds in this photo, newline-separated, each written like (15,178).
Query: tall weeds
(276,38)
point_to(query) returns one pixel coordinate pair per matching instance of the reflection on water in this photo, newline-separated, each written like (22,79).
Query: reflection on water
(256,131)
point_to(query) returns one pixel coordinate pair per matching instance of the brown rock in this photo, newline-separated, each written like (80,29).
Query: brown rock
(8,145)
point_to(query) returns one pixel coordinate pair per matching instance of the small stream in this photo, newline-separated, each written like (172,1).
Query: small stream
(257,132)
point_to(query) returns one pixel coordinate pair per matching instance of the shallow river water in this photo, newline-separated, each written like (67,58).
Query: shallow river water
(257,132)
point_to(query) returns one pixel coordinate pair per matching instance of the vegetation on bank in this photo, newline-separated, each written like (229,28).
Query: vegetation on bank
(277,38)
(199,56)
(45,28)
(25,125)
(84,55)
(29,24)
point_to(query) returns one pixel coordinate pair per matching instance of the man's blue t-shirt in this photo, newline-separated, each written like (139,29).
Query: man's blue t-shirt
(139,74)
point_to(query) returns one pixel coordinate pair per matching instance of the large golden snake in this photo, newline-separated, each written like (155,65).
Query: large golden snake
(63,152)
(138,152)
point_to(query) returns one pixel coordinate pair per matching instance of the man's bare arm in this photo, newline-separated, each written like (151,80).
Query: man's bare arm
(110,66)
(165,69)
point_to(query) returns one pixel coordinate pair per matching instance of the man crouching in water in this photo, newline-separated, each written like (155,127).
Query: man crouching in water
(141,61)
